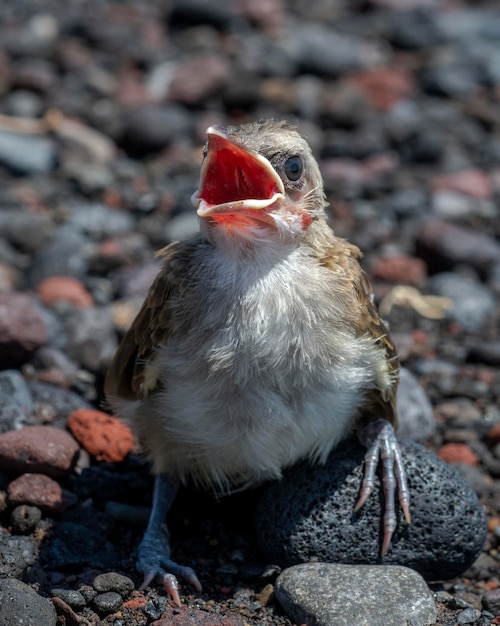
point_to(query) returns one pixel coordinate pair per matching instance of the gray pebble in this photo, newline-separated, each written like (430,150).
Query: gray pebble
(182,226)
(111,581)
(72,597)
(309,514)
(469,616)
(20,604)
(415,415)
(24,154)
(473,303)
(491,601)
(149,128)
(24,518)
(99,221)
(312,44)
(14,386)
(62,401)
(107,602)
(91,337)
(16,554)
(65,254)
(345,595)
(155,607)
(443,245)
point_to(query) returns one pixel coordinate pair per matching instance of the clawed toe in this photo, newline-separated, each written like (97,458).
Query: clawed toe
(382,445)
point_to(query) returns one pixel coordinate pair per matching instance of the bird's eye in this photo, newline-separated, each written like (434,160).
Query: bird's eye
(294,167)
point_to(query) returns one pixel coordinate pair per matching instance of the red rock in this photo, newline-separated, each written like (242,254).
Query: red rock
(103,436)
(64,288)
(22,329)
(474,183)
(38,449)
(383,86)
(400,269)
(458,453)
(41,491)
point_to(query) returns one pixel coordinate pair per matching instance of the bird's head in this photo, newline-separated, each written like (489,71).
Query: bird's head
(259,181)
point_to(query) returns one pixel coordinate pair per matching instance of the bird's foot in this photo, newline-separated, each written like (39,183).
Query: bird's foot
(380,439)
(154,562)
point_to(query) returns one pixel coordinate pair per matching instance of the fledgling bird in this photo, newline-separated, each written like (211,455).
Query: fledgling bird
(258,344)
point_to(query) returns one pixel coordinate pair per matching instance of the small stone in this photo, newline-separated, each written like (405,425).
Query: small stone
(65,254)
(64,289)
(384,87)
(107,602)
(102,435)
(474,183)
(71,597)
(40,491)
(24,519)
(38,449)
(344,595)
(469,616)
(494,434)
(99,221)
(151,128)
(20,604)
(415,414)
(17,553)
(62,401)
(111,581)
(458,453)
(491,601)
(443,245)
(22,329)
(25,155)
(266,595)
(400,269)
(473,302)
(309,514)
(312,44)
(13,385)
(91,338)
(196,79)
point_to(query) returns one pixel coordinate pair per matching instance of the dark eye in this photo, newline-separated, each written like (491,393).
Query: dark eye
(294,167)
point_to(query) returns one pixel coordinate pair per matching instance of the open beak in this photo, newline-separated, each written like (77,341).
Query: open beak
(234,180)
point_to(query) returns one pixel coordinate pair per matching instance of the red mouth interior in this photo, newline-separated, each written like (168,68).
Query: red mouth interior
(233,174)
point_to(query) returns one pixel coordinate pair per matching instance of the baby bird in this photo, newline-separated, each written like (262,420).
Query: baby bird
(258,344)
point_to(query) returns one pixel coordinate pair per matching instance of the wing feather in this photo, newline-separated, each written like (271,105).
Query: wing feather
(131,375)
(381,400)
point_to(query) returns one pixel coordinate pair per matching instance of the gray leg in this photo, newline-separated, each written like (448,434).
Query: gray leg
(153,558)
(380,439)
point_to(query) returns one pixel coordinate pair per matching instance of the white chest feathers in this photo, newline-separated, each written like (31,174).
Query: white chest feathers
(269,373)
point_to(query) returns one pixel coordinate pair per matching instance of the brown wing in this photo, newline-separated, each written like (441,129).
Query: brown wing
(381,400)
(132,374)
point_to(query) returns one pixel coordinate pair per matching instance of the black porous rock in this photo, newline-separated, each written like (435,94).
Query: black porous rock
(309,515)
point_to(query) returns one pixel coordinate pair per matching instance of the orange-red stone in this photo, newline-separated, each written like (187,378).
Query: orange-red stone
(458,453)
(103,436)
(65,289)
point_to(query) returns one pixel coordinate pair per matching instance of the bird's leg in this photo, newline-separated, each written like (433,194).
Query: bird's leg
(380,439)
(153,557)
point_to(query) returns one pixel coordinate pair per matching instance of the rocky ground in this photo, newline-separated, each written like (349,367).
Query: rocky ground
(103,108)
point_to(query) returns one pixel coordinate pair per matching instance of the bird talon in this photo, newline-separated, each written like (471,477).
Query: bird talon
(170,584)
(382,446)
